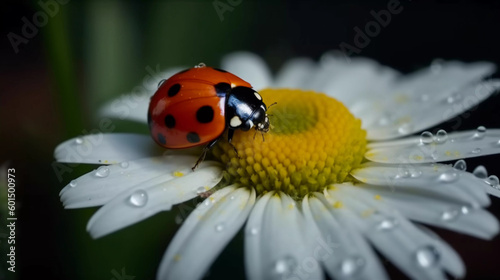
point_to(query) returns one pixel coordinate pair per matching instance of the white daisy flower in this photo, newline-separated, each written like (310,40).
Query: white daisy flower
(337,178)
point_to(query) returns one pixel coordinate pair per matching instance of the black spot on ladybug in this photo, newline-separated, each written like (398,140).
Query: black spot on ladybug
(220,70)
(173,90)
(205,114)
(193,137)
(161,139)
(169,121)
(222,89)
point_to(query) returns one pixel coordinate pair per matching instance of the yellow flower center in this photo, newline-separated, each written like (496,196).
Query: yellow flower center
(314,141)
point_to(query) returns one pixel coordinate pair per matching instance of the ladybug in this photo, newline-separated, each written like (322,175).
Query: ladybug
(196,106)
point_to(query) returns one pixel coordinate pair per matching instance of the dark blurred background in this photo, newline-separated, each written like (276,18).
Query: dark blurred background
(79,54)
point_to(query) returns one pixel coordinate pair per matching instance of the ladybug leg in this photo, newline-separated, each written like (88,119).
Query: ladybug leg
(204,153)
(230,133)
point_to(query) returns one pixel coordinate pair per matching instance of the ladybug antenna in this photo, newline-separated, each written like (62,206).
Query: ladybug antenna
(272,105)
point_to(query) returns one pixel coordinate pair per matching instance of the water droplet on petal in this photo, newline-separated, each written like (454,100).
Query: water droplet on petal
(493,181)
(179,219)
(403,172)
(102,172)
(441,136)
(427,256)
(450,215)
(387,224)
(73,183)
(476,151)
(448,177)
(480,132)
(79,141)
(464,210)
(405,129)
(253,231)
(436,65)
(460,165)
(220,227)
(232,197)
(416,173)
(285,265)
(124,164)
(351,265)
(200,190)
(480,172)
(426,138)
(139,198)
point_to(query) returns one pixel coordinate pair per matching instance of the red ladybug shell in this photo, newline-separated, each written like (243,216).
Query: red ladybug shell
(187,110)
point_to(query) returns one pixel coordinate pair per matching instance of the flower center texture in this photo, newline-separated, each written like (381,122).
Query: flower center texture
(314,141)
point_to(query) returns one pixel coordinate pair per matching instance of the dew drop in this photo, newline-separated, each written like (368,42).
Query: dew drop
(480,172)
(464,210)
(161,82)
(426,138)
(179,219)
(285,265)
(416,173)
(427,256)
(351,265)
(124,164)
(79,141)
(73,183)
(441,136)
(139,198)
(200,190)
(253,231)
(200,65)
(387,224)
(480,133)
(405,129)
(403,172)
(437,65)
(220,227)
(476,151)
(493,181)
(450,215)
(460,165)
(448,177)
(232,197)
(102,172)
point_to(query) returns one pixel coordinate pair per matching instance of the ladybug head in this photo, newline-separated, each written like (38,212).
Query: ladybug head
(261,120)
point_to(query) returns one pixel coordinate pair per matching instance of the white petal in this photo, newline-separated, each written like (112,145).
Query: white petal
(278,244)
(444,77)
(351,79)
(411,250)
(459,145)
(106,148)
(440,212)
(295,73)
(434,180)
(406,116)
(143,201)
(341,248)
(134,106)
(248,66)
(101,185)
(205,233)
